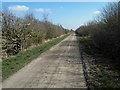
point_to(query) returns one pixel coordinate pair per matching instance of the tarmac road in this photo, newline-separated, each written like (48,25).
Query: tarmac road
(59,67)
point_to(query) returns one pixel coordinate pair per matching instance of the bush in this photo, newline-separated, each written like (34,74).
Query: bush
(104,32)
(21,33)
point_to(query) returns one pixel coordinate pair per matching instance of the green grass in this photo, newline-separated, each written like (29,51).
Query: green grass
(13,64)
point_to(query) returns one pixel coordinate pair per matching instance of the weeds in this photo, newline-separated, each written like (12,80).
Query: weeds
(102,72)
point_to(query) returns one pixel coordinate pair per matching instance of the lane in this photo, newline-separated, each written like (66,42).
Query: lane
(59,67)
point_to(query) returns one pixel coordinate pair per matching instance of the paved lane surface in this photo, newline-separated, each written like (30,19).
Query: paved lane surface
(59,67)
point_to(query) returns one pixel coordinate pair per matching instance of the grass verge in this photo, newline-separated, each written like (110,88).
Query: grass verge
(102,72)
(13,64)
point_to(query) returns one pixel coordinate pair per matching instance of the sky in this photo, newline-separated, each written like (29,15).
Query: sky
(69,14)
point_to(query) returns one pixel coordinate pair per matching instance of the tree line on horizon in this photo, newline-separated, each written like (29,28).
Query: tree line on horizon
(104,31)
(19,33)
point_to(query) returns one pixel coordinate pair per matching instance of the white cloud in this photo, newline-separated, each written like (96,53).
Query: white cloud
(40,10)
(97,12)
(81,24)
(43,10)
(18,8)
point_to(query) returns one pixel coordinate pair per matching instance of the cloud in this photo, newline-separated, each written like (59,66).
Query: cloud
(97,12)
(81,24)
(43,10)
(40,10)
(18,8)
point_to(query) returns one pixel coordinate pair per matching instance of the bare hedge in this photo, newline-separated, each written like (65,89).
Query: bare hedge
(20,33)
(104,31)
